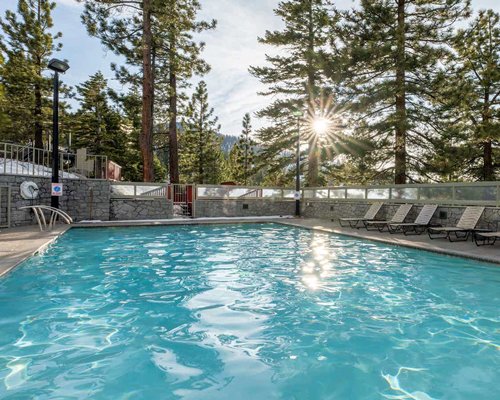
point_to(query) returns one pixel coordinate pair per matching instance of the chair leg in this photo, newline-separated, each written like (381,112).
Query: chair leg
(485,241)
(394,230)
(458,237)
(382,227)
(432,236)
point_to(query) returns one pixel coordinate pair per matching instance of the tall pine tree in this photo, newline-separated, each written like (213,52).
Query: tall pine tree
(177,58)
(125,27)
(97,126)
(294,75)
(4,119)
(242,155)
(201,158)
(28,44)
(393,52)
(470,95)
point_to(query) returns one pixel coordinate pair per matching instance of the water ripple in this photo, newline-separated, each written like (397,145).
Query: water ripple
(254,311)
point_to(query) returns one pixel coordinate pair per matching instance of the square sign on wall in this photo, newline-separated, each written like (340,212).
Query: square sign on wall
(57,189)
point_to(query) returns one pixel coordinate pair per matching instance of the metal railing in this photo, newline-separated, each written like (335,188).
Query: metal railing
(123,190)
(457,193)
(476,193)
(215,192)
(5,205)
(29,160)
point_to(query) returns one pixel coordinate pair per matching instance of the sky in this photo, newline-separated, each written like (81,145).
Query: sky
(230,50)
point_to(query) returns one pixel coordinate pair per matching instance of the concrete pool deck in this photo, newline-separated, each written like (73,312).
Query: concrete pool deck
(18,244)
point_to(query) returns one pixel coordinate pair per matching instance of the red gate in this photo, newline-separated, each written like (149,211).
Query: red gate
(182,197)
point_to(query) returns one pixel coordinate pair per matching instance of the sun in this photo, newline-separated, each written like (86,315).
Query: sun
(321,126)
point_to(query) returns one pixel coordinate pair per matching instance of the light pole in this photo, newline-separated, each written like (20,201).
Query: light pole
(57,66)
(297,196)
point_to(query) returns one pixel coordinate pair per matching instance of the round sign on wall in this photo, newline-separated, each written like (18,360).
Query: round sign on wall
(57,189)
(29,190)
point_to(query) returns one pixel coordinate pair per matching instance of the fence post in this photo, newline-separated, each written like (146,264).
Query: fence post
(9,195)
(5,158)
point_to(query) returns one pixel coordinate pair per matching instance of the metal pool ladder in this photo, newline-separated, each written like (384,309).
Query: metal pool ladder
(54,214)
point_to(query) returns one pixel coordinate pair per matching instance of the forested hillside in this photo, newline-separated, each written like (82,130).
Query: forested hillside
(409,90)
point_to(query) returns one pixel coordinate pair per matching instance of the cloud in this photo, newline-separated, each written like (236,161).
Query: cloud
(71,3)
(231,49)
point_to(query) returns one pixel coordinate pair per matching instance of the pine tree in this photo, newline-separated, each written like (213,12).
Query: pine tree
(471,98)
(177,58)
(242,155)
(294,76)
(27,47)
(393,51)
(125,27)
(4,119)
(130,105)
(97,126)
(201,158)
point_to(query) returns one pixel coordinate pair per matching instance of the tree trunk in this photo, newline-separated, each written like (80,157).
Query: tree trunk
(146,140)
(401,126)
(313,153)
(38,95)
(246,161)
(488,174)
(38,116)
(173,146)
(201,160)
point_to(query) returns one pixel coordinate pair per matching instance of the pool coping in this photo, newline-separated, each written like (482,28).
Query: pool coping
(39,241)
(398,240)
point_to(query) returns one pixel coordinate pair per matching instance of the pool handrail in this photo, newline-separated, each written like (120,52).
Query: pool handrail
(54,214)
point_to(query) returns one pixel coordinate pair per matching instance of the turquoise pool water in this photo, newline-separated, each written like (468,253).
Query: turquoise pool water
(254,311)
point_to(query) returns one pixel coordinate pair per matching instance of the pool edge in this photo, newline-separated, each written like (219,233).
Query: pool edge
(405,243)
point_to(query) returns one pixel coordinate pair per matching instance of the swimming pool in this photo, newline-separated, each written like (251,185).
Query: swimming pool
(250,311)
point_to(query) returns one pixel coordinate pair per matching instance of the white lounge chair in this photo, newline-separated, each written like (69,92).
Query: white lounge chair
(484,238)
(465,226)
(369,215)
(398,217)
(420,224)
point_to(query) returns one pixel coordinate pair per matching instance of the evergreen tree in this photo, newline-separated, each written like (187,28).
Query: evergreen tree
(242,155)
(130,105)
(125,27)
(295,75)
(177,57)
(470,93)
(28,44)
(201,158)
(393,52)
(97,126)
(4,119)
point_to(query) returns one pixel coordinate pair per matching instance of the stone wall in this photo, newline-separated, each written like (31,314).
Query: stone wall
(445,215)
(135,209)
(90,199)
(82,199)
(243,208)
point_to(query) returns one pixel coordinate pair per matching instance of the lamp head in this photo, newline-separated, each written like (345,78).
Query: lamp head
(58,65)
